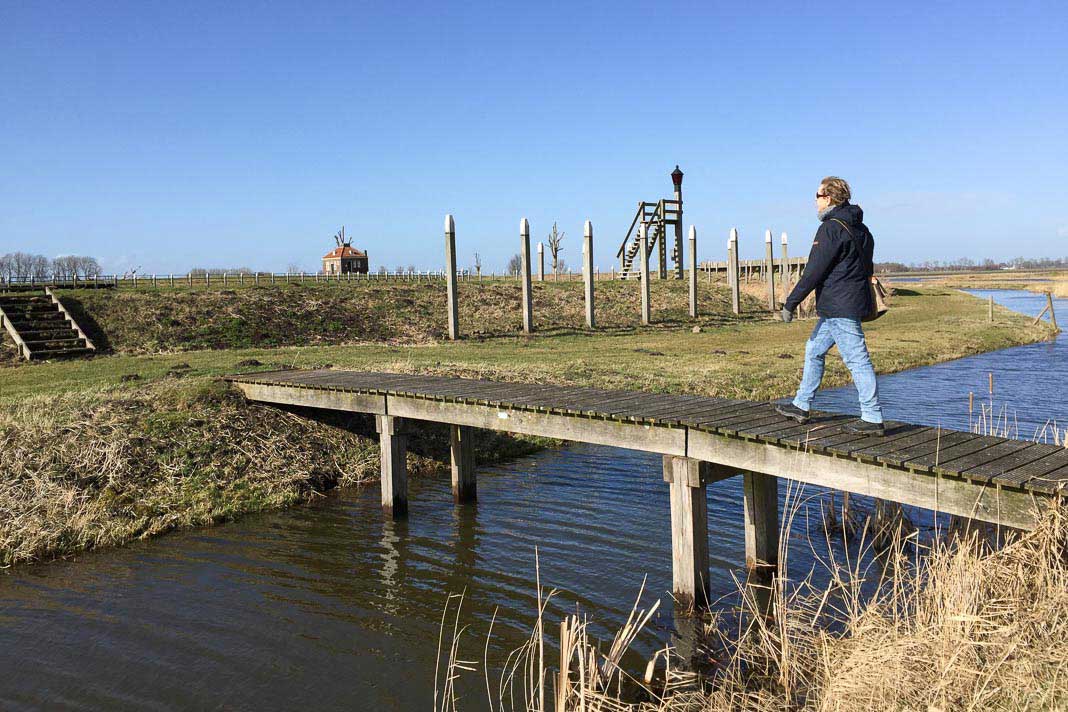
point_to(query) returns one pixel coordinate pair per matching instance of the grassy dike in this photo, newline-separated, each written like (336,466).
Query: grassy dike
(129,445)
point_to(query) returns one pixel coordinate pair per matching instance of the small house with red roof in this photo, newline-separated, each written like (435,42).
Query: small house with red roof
(344,259)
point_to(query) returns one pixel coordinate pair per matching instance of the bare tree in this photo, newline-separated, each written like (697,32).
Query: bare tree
(478,264)
(7,267)
(555,238)
(515,263)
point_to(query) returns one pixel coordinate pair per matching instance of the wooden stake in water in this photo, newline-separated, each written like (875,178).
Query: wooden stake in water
(1052,314)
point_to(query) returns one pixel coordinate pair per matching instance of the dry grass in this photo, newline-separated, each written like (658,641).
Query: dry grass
(959,627)
(101,468)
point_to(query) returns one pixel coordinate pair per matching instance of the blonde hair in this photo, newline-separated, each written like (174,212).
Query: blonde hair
(836,189)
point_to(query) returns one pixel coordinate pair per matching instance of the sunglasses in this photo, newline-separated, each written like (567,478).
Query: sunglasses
(820,195)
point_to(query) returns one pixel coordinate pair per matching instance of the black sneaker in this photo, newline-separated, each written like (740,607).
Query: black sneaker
(863,427)
(792,412)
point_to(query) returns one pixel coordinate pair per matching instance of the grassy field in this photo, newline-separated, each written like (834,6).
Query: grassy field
(99,451)
(1055,282)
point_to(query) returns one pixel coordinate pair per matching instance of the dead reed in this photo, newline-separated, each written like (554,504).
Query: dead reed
(949,625)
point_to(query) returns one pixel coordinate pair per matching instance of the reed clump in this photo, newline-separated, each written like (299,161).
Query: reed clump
(955,624)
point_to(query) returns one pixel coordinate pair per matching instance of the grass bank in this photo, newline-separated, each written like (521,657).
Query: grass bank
(96,452)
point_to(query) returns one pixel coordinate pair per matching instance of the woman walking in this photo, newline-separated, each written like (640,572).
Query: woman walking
(839,269)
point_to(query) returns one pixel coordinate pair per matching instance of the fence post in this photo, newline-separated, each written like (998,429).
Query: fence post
(643,241)
(587,262)
(450,263)
(541,261)
(524,252)
(693,271)
(990,307)
(732,269)
(1052,314)
(769,267)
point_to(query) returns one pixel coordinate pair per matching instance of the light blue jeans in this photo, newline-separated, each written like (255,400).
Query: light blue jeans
(849,337)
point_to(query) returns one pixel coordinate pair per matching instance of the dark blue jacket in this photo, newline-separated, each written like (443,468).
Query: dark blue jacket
(839,266)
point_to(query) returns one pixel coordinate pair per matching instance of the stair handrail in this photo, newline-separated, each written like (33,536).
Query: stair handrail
(5,321)
(639,215)
(66,314)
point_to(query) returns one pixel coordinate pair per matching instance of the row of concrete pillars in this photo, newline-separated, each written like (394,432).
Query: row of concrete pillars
(588,275)
(687,478)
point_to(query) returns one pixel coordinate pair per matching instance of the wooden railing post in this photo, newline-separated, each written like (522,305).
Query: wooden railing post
(689,530)
(462,451)
(693,272)
(450,264)
(524,253)
(643,255)
(587,266)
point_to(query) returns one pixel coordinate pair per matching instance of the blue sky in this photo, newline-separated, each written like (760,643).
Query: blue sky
(169,135)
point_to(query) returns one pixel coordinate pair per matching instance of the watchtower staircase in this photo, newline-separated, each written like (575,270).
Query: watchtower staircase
(40,325)
(655,217)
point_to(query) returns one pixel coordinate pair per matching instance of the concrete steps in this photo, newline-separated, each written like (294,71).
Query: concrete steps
(40,326)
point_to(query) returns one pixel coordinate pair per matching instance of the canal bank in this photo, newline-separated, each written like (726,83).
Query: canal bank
(335,599)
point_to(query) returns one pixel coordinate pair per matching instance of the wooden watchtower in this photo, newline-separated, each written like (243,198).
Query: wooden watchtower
(656,217)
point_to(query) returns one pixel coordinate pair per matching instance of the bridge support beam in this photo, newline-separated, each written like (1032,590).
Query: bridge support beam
(393,443)
(761,495)
(689,531)
(463,463)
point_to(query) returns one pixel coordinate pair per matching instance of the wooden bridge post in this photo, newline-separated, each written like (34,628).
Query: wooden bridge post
(643,255)
(732,269)
(761,499)
(689,530)
(450,260)
(587,268)
(393,443)
(524,251)
(769,269)
(693,272)
(463,463)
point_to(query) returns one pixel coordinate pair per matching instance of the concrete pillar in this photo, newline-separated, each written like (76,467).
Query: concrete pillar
(541,261)
(393,443)
(689,530)
(761,500)
(693,272)
(463,463)
(587,268)
(450,265)
(784,269)
(643,255)
(769,269)
(736,289)
(524,251)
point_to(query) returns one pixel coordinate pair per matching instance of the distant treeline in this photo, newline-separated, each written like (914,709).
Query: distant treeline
(968,264)
(23,265)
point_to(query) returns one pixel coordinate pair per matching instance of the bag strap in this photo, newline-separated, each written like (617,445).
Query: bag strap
(846,227)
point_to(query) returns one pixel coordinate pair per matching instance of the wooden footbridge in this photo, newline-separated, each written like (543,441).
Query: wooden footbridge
(703,440)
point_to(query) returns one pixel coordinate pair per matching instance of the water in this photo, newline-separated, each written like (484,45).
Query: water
(337,607)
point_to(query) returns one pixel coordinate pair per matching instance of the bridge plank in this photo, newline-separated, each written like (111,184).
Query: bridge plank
(1047,474)
(945,460)
(1007,456)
